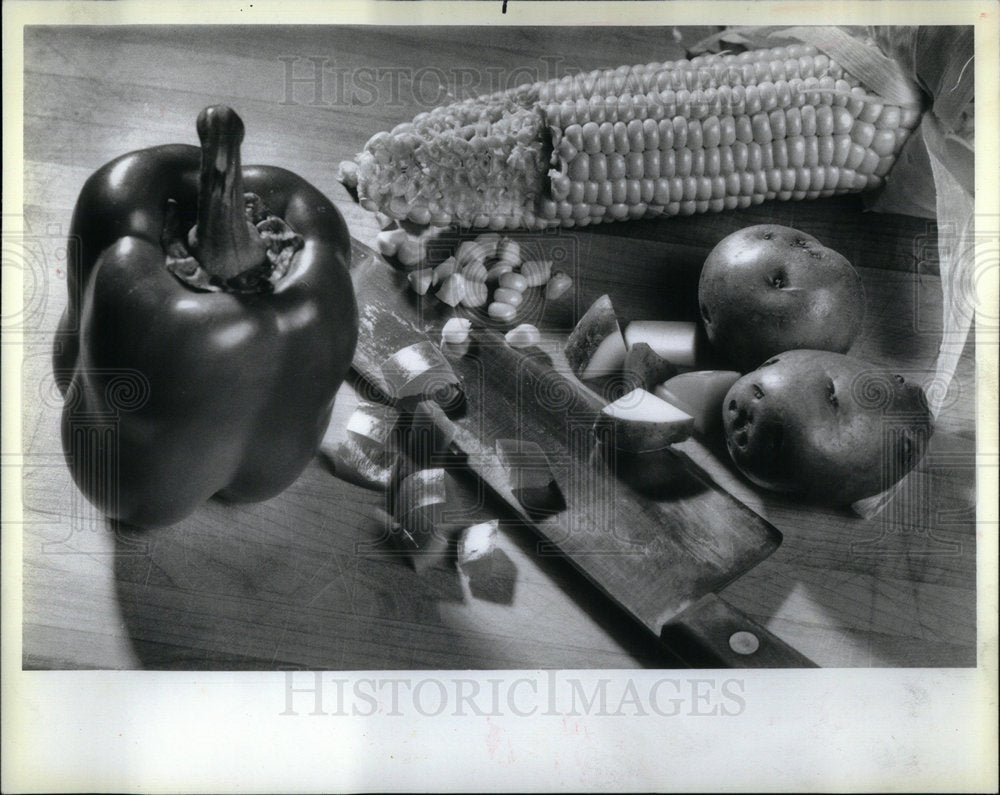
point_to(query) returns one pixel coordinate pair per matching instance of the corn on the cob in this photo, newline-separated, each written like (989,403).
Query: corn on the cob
(712,133)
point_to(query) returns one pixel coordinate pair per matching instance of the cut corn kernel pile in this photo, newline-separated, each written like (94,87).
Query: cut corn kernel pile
(712,133)
(488,271)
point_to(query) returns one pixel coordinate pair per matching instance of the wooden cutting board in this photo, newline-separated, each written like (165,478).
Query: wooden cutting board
(659,538)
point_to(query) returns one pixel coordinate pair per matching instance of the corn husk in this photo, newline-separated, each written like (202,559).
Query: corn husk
(934,175)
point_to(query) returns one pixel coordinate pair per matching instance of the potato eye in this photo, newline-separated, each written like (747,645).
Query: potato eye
(831,394)
(767,235)
(758,393)
(779,280)
(899,379)
(769,362)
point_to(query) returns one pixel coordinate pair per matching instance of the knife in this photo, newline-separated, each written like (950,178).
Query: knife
(660,558)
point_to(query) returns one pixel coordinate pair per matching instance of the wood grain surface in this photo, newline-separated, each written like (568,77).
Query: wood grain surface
(304,579)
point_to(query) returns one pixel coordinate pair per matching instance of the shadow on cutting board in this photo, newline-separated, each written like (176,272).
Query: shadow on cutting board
(285,584)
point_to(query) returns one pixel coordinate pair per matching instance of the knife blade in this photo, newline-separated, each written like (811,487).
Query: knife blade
(661,560)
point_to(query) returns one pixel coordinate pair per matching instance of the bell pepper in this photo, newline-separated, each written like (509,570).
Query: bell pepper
(211,320)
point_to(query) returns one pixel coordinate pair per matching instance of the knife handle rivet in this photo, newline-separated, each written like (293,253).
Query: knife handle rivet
(744,642)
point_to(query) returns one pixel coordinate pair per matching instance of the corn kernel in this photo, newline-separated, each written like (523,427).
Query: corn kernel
(523,336)
(607,137)
(557,285)
(680,129)
(808,115)
(634,165)
(855,157)
(651,163)
(616,166)
(452,289)
(636,136)
(496,271)
(469,252)
(824,121)
(536,272)
(411,251)
(474,272)
(779,154)
(513,281)
(824,151)
(388,241)
(579,168)
(713,162)
(651,134)
(476,294)
(884,142)
(501,311)
(776,121)
(889,118)
(421,280)
(863,133)
(509,251)
(456,331)
(684,160)
(668,163)
(812,151)
(598,167)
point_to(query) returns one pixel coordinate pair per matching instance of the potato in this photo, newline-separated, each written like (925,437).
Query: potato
(826,426)
(596,346)
(768,289)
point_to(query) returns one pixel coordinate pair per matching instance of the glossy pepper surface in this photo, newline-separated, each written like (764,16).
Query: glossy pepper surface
(211,320)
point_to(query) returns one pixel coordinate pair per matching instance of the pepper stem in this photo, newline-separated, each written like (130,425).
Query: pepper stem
(224,241)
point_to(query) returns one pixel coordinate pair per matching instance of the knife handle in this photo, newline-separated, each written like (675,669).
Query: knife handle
(714,634)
